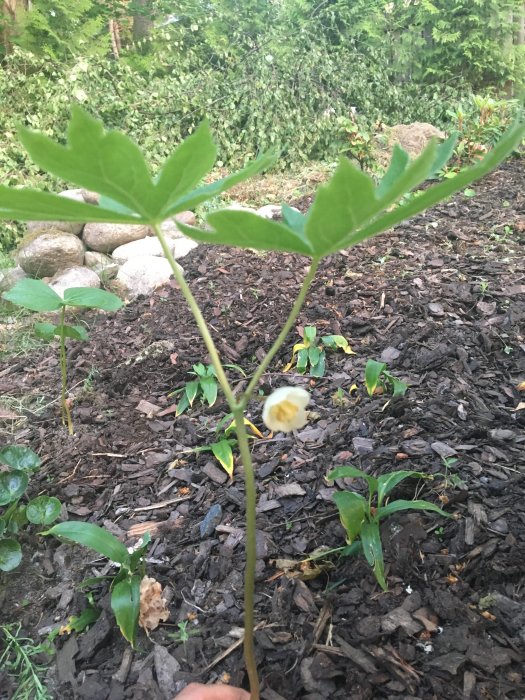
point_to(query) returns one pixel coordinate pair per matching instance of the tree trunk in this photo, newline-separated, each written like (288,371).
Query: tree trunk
(142,22)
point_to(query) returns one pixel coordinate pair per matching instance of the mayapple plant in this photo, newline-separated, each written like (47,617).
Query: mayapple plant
(348,209)
(35,295)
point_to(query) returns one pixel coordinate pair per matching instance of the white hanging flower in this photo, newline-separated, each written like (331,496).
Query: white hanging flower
(284,409)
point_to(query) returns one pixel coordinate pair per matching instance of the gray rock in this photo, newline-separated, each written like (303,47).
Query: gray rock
(10,276)
(74,277)
(45,254)
(137,249)
(270,211)
(102,264)
(67,226)
(104,238)
(182,247)
(143,275)
(166,668)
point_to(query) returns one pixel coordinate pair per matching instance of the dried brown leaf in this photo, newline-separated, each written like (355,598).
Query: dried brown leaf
(153,608)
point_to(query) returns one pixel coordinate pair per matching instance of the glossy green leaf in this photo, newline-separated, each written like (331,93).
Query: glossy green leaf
(43,510)
(136,556)
(247,230)
(397,506)
(302,360)
(373,372)
(78,623)
(317,369)
(19,457)
(399,388)
(34,295)
(10,554)
(398,164)
(191,390)
(209,389)
(309,335)
(12,486)
(294,219)
(350,472)
(93,537)
(386,482)
(373,551)
(222,452)
(313,355)
(182,406)
(352,509)
(125,603)
(91,298)
(46,331)
(337,342)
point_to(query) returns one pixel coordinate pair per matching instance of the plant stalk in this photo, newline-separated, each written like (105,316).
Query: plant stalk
(201,323)
(66,413)
(251,552)
(296,308)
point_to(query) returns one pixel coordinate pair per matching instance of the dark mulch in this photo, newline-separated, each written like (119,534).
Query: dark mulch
(442,299)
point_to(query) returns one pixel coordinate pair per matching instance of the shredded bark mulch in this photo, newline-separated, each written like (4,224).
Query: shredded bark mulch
(442,300)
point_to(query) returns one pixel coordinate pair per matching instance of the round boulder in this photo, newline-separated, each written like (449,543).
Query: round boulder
(74,277)
(67,226)
(143,275)
(104,238)
(44,254)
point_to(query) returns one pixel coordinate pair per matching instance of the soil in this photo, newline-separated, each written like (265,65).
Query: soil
(442,300)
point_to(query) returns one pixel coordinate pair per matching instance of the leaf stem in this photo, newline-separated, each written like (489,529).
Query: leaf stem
(296,308)
(251,552)
(201,323)
(66,413)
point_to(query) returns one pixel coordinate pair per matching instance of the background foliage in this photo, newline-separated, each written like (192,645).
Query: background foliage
(312,78)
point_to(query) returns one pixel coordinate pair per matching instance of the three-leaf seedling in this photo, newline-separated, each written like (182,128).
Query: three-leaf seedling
(19,464)
(311,351)
(125,585)
(35,295)
(361,517)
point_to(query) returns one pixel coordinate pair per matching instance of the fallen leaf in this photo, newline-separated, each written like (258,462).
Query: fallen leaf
(519,407)
(150,409)
(153,608)
(520,386)
(173,358)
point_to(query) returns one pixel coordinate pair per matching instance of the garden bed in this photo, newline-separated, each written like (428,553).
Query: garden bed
(442,300)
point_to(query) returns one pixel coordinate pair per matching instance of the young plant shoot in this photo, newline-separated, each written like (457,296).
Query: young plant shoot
(348,209)
(35,295)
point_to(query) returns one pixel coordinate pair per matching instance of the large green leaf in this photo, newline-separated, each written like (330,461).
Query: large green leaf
(397,506)
(33,205)
(125,603)
(48,331)
(350,472)
(209,388)
(34,295)
(93,537)
(92,298)
(373,551)
(12,486)
(19,457)
(386,482)
(10,554)
(342,205)
(352,509)
(373,372)
(43,510)
(248,230)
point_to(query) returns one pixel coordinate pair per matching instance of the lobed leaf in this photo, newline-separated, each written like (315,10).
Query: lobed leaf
(94,537)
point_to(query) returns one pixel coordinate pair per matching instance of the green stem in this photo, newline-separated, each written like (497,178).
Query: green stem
(66,413)
(251,552)
(296,308)
(201,323)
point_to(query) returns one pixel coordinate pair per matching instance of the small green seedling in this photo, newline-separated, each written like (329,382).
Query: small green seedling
(19,463)
(311,351)
(182,636)
(125,585)
(361,518)
(379,381)
(205,387)
(35,295)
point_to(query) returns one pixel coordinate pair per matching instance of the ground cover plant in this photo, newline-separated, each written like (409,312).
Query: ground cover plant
(35,295)
(347,210)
